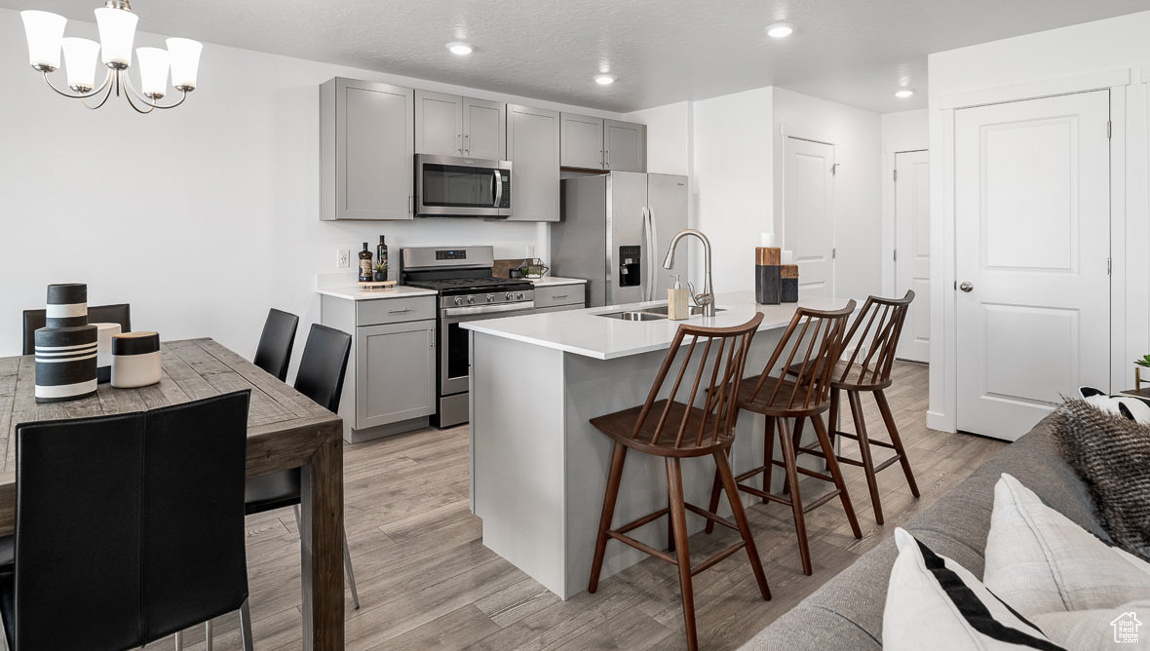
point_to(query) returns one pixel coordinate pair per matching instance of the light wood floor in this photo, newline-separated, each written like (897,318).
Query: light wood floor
(427,582)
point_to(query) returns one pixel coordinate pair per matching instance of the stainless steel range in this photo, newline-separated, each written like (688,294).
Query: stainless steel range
(467,292)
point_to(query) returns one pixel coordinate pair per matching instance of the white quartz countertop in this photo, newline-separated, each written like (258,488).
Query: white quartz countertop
(582,332)
(553,280)
(357,293)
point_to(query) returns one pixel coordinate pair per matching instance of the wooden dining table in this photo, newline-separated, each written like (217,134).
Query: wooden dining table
(285,430)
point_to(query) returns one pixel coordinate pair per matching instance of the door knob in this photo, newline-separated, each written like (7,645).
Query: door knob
(966,287)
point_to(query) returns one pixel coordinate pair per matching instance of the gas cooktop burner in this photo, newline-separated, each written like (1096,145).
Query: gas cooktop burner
(451,286)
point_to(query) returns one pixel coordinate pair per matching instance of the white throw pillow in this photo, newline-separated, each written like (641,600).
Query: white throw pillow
(1040,561)
(934,603)
(1129,407)
(1100,630)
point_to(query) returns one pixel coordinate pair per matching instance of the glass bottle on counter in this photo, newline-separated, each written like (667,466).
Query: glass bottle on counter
(365,264)
(381,256)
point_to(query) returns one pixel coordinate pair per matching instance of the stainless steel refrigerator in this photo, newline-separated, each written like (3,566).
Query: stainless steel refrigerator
(614,232)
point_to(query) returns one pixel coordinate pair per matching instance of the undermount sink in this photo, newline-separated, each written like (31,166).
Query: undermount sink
(633,316)
(662,310)
(649,314)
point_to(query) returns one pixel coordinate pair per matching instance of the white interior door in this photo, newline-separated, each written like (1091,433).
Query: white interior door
(1032,233)
(912,250)
(808,212)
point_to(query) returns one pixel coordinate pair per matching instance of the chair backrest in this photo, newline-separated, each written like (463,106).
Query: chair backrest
(323,365)
(877,342)
(798,374)
(273,353)
(131,524)
(719,369)
(35,319)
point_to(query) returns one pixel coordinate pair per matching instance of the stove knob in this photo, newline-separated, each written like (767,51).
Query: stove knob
(519,296)
(510,296)
(459,300)
(470,300)
(491,298)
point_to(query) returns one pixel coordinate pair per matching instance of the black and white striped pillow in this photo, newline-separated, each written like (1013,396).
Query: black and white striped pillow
(935,603)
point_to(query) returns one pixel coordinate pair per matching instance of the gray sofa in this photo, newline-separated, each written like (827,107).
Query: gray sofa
(846,612)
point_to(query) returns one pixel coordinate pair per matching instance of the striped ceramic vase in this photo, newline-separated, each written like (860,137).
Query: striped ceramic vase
(66,346)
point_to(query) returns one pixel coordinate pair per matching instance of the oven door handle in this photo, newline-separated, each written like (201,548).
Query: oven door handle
(498,188)
(449,312)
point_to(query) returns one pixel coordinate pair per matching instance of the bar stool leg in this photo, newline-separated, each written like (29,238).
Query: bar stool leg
(208,635)
(796,441)
(682,553)
(896,440)
(790,465)
(618,456)
(837,474)
(716,488)
(768,454)
(833,416)
(724,469)
(865,452)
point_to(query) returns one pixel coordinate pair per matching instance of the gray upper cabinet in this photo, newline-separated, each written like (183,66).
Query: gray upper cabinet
(450,125)
(366,148)
(438,123)
(625,146)
(533,149)
(598,144)
(582,141)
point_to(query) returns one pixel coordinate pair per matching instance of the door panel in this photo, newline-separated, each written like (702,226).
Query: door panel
(581,143)
(912,247)
(374,129)
(624,146)
(808,212)
(484,129)
(395,368)
(533,149)
(438,124)
(1032,227)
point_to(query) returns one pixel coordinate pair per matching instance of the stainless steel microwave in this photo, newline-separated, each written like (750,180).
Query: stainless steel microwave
(455,186)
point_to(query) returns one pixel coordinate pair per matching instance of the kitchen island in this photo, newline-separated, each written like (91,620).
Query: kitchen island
(539,469)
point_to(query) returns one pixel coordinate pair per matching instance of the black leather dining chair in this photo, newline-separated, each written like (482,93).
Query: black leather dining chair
(117,518)
(320,377)
(35,319)
(273,353)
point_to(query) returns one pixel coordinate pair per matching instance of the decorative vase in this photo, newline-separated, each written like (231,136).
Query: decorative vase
(135,359)
(66,347)
(379,276)
(790,283)
(768,275)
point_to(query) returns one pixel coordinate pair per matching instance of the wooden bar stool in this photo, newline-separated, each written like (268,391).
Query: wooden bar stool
(868,369)
(676,430)
(812,340)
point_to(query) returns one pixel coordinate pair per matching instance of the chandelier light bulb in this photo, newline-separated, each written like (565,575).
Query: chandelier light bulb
(80,61)
(117,34)
(44,31)
(153,71)
(185,60)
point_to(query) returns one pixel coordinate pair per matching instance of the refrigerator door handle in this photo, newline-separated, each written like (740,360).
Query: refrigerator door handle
(653,256)
(646,256)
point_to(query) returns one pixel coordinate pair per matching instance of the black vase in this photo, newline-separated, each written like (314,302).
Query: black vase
(66,346)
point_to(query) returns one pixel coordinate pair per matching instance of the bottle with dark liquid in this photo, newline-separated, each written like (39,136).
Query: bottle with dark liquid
(365,264)
(381,256)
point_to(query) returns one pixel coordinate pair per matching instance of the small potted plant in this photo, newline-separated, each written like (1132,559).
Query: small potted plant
(380,273)
(1140,364)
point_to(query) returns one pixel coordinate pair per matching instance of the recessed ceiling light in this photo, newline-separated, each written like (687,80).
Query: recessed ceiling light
(460,49)
(604,80)
(904,93)
(780,30)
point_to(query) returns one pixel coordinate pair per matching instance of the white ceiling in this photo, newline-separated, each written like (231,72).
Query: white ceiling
(663,51)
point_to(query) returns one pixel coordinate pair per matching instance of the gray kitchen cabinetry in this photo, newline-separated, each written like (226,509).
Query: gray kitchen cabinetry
(390,382)
(366,148)
(595,143)
(533,149)
(450,125)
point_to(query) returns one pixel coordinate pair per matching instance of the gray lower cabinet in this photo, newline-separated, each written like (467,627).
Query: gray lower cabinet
(595,143)
(533,149)
(395,373)
(366,148)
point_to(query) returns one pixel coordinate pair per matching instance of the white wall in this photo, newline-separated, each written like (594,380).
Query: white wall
(857,137)
(732,170)
(903,131)
(1032,60)
(202,217)
(668,137)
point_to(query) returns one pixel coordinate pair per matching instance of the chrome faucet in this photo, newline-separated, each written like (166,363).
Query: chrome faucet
(706,299)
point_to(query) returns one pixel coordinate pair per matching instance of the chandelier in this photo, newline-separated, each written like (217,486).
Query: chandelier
(117,27)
